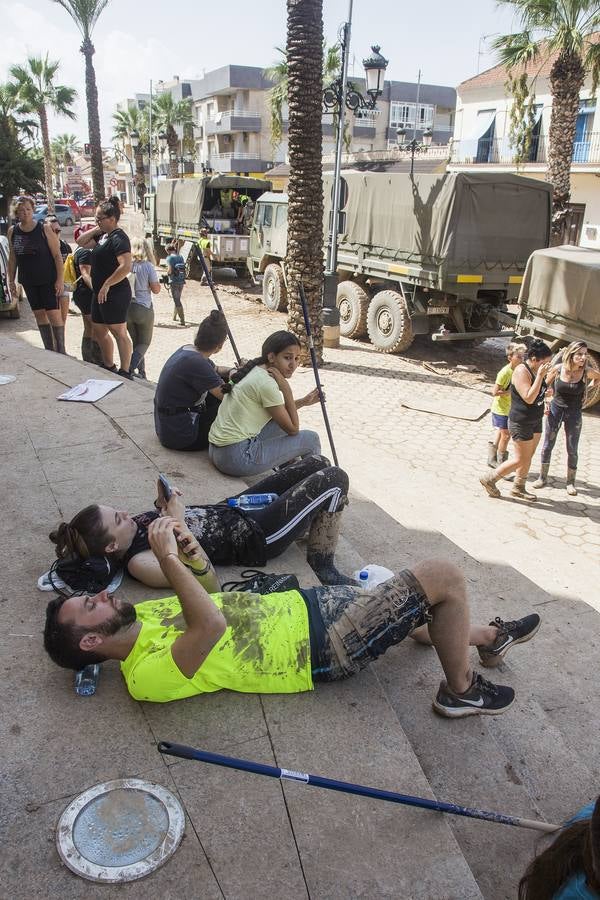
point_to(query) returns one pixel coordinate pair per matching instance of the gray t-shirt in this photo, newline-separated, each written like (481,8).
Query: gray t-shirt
(145,275)
(186,378)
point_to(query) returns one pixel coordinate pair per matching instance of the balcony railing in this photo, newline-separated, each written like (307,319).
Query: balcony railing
(233,120)
(500,151)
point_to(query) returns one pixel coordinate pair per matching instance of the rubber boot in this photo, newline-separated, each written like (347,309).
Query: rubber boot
(571,489)
(96,353)
(322,541)
(501,458)
(47,336)
(180,313)
(543,479)
(175,314)
(492,455)
(87,353)
(58,332)
(519,490)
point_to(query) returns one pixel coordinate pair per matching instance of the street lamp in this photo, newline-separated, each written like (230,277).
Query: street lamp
(163,140)
(134,139)
(414,146)
(337,97)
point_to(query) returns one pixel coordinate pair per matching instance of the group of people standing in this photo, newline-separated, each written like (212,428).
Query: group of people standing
(532,388)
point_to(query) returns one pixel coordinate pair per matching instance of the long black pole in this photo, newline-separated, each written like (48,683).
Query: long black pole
(313,357)
(347,787)
(211,285)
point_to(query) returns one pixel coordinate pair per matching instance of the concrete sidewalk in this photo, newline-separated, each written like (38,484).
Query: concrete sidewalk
(538,760)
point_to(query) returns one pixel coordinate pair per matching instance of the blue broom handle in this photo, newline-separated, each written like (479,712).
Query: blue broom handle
(347,787)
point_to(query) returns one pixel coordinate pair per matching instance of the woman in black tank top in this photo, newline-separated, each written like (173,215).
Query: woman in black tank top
(34,251)
(528,388)
(572,374)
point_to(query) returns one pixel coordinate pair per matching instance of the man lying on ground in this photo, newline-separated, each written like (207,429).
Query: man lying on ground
(196,643)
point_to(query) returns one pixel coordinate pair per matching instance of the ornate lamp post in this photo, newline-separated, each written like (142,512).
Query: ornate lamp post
(337,97)
(413,146)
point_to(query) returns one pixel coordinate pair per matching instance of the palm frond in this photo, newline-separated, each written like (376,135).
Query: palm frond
(85,13)
(592,64)
(516,50)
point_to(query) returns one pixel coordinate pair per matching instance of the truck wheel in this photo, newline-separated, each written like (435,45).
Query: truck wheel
(274,289)
(388,323)
(592,392)
(353,303)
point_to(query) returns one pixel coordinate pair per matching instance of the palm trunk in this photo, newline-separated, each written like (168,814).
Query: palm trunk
(91,96)
(47,158)
(172,143)
(140,186)
(304,261)
(566,80)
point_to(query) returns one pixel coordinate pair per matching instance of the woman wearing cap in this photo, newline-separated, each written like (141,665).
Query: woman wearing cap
(34,251)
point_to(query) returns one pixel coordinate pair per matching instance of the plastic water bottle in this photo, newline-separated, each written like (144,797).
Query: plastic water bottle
(372,575)
(86,680)
(252,501)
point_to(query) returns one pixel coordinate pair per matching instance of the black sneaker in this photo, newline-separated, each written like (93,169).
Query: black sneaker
(123,374)
(482,698)
(509,634)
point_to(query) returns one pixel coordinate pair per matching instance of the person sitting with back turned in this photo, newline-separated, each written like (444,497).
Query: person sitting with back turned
(281,643)
(190,388)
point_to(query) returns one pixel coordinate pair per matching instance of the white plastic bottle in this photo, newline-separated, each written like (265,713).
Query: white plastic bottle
(372,575)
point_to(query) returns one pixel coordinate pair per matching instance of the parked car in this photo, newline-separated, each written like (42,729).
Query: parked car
(68,201)
(88,206)
(64,213)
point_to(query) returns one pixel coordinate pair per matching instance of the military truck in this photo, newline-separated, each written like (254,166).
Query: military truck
(560,302)
(436,255)
(182,206)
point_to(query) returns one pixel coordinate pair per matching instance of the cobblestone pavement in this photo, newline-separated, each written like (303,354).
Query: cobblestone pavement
(365,392)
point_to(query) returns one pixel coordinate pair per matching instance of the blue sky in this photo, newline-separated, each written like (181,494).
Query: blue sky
(141,39)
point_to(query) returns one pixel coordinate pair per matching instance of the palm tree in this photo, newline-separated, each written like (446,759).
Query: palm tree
(85,14)
(35,89)
(126,121)
(559,32)
(304,261)
(278,74)
(65,147)
(167,114)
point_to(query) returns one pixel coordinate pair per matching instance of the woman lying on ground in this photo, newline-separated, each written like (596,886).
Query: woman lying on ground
(311,495)
(257,424)
(190,388)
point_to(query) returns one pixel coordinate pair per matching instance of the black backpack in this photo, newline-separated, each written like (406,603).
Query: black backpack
(89,576)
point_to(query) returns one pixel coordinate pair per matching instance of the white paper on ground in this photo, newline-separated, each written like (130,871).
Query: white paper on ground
(89,391)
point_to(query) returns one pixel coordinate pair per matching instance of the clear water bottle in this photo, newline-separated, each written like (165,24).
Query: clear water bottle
(252,501)
(372,575)
(86,680)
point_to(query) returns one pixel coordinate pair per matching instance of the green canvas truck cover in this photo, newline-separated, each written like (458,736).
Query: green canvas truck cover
(564,283)
(179,201)
(452,222)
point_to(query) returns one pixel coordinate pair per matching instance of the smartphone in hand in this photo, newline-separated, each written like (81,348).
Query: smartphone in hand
(165,487)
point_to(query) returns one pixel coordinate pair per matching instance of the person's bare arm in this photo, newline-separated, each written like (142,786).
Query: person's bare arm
(86,275)
(528,390)
(286,416)
(155,287)
(205,623)
(54,247)
(89,237)
(121,272)
(592,374)
(499,391)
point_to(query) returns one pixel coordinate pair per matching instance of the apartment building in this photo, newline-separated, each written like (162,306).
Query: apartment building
(232,132)
(482,140)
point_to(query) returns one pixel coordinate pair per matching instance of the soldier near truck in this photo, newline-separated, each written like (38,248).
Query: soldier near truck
(436,255)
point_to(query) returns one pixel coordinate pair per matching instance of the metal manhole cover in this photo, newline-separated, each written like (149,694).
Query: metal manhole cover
(120,830)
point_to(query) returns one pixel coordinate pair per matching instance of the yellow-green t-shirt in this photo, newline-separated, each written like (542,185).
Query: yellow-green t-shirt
(265,649)
(243,412)
(501,405)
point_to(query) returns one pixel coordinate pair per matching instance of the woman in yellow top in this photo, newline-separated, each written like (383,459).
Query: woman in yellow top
(257,425)
(497,449)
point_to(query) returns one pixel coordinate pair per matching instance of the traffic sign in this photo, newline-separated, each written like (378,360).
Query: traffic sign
(113,182)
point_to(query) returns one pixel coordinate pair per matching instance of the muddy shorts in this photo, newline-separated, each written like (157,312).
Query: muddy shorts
(351,627)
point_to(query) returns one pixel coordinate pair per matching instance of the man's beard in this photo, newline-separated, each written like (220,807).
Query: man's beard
(123,618)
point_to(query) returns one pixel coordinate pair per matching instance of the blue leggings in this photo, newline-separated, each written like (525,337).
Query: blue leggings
(571,419)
